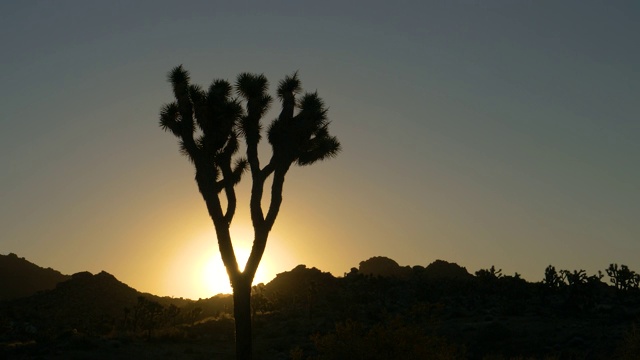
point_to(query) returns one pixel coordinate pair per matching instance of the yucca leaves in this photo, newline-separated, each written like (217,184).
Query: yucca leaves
(179,79)
(289,86)
(219,89)
(170,118)
(253,89)
(304,138)
(239,168)
(178,75)
(319,148)
(251,86)
(301,138)
(216,115)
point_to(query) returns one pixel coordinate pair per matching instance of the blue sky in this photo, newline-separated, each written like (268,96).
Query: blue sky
(485,133)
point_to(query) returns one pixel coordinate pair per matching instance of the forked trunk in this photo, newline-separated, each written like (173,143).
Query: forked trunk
(242,315)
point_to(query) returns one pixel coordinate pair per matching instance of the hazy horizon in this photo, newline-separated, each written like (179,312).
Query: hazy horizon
(480,133)
(308,266)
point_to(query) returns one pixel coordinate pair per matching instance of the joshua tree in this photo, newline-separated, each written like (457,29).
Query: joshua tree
(209,123)
(623,277)
(552,279)
(148,314)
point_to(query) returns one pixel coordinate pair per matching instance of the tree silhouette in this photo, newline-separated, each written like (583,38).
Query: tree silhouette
(622,277)
(147,315)
(209,124)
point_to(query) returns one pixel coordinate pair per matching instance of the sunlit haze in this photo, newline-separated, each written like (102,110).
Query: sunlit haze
(484,133)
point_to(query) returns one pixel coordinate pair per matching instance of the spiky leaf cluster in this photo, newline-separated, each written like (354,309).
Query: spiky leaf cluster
(301,138)
(212,111)
(253,88)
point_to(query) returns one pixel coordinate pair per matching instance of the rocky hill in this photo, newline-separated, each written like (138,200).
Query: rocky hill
(299,281)
(21,278)
(383,266)
(84,301)
(443,270)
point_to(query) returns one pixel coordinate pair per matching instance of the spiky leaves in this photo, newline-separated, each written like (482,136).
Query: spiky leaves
(253,88)
(170,118)
(216,115)
(180,83)
(289,87)
(304,138)
(320,147)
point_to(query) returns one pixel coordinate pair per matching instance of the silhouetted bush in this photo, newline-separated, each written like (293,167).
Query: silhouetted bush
(147,315)
(489,274)
(622,277)
(393,339)
(552,279)
(629,348)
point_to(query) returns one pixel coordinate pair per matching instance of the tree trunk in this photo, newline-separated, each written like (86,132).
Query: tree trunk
(242,315)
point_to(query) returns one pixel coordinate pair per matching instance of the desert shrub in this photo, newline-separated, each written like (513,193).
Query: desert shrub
(490,273)
(296,353)
(581,290)
(170,334)
(575,278)
(260,301)
(171,314)
(219,329)
(148,315)
(501,357)
(629,348)
(393,339)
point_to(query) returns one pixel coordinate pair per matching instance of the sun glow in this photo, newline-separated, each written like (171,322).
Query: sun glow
(214,275)
(199,272)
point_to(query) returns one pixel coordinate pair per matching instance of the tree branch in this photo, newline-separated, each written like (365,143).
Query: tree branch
(257,251)
(229,192)
(276,195)
(268,169)
(255,203)
(204,175)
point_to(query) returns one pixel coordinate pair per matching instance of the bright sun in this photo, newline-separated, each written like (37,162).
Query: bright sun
(198,271)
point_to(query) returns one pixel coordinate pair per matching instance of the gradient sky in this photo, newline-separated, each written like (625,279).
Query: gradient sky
(484,133)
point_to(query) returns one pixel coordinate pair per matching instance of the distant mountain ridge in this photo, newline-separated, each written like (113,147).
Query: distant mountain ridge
(83,299)
(300,280)
(21,278)
(70,299)
(386,267)
(383,266)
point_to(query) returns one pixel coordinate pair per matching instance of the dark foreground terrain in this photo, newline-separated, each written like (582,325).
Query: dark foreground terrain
(378,311)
